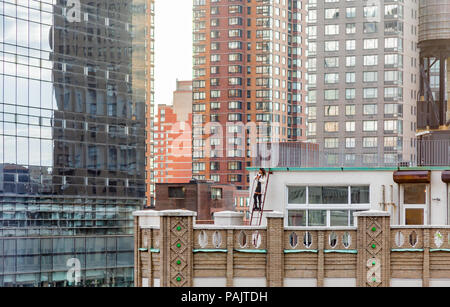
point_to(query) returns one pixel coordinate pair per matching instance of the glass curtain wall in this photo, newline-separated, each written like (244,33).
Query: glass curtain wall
(72,139)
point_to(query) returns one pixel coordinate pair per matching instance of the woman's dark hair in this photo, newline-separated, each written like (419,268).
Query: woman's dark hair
(263,172)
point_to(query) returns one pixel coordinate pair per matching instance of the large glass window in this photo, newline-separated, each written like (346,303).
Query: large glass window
(297,218)
(317,218)
(360,194)
(339,218)
(297,195)
(414,203)
(325,205)
(328,195)
(415,194)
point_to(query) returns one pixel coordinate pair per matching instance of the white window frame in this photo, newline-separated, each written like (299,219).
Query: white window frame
(404,206)
(325,207)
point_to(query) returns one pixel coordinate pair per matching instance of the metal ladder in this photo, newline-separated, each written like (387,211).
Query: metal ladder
(256,216)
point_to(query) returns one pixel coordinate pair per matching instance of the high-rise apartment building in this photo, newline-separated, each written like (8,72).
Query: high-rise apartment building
(73,129)
(363,79)
(150,97)
(173,137)
(249,60)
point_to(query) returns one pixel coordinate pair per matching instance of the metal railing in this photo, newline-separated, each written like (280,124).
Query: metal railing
(433,153)
(299,154)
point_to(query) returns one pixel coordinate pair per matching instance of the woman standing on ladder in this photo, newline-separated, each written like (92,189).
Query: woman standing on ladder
(260,179)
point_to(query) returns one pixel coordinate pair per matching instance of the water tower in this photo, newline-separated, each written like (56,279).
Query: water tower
(433,111)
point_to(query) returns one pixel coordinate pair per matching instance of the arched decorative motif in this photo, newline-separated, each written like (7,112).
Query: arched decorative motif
(217,239)
(203,239)
(307,239)
(293,240)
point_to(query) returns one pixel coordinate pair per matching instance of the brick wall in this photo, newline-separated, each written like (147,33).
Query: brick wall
(373,254)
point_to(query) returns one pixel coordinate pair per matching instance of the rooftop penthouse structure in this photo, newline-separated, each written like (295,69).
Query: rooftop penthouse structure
(372,227)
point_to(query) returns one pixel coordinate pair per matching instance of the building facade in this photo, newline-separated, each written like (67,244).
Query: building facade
(363,79)
(173,138)
(150,97)
(249,83)
(73,115)
(171,250)
(327,197)
(373,227)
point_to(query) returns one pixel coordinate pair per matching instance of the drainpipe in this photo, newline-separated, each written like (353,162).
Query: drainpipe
(448,203)
(399,204)
(430,199)
(448,95)
(392,203)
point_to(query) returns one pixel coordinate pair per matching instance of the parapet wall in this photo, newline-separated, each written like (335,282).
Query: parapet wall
(179,253)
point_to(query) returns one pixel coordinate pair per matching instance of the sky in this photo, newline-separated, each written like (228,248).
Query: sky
(173,46)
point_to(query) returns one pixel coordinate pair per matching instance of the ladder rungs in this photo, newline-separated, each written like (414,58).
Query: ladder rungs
(258,217)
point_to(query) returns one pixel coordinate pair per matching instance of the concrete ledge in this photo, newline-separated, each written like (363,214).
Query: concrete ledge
(228,218)
(296,251)
(399,227)
(250,282)
(342,251)
(274,214)
(407,250)
(177,213)
(300,282)
(406,282)
(150,219)
(146,213)
(210,282)
(147,218)
(315,228)
(210,250)
(371,213)
(228,227)
(251,251)
(228,214)
(339,282)
(439,282)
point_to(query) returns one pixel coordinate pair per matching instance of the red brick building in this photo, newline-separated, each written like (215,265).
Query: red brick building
(173,138)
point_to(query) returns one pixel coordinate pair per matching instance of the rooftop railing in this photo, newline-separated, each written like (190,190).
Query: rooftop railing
(360,154)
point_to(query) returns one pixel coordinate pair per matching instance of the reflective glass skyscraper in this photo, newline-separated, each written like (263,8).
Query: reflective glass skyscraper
(73,96)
